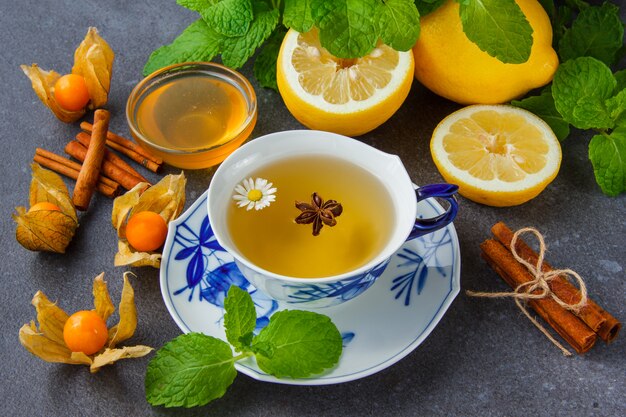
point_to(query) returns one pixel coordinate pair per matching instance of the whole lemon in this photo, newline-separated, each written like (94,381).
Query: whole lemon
(452,66)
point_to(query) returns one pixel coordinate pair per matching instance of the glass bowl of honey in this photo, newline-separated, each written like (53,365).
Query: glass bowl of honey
(194,114)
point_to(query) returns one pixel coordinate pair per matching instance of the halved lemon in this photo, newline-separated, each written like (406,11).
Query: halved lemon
(345,96)
(498,155)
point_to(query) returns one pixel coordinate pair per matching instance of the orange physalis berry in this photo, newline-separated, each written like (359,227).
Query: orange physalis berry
(86,332)
(146,231)
(44,205)
(70,91)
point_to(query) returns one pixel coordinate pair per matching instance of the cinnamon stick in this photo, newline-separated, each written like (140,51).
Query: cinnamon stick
(73,165)
(594,316)
(126,180)
(566,324)
(85,139)
(140,159)
(122,142)
(70,169)
(90,171)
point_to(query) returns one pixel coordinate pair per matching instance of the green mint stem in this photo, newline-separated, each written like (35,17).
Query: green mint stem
(242,356)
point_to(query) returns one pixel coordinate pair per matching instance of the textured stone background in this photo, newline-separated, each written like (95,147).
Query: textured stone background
(483,358)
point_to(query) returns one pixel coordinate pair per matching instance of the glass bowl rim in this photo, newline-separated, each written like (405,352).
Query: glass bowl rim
(214,68)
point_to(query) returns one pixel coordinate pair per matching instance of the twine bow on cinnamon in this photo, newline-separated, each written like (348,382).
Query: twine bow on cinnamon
(538,287)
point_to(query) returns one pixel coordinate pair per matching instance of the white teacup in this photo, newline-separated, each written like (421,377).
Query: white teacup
(327,291)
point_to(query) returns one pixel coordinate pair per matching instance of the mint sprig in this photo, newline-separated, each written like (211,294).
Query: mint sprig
(585,93)
(236,29)
(297,343)
(597,32)
(194,369)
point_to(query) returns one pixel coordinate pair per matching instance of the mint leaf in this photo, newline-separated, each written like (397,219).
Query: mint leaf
(428,6)
(580,88)
(499,28)
(596,32)
(398,23)
(190,370)
(229,17)
(297,344)
(543,106)
(265,63)
(346,27)
(560,22)
(616,106)
(608,157)
(620,77)
(236,51)
(240,317)
(297,15)
(196,5)
(196,43)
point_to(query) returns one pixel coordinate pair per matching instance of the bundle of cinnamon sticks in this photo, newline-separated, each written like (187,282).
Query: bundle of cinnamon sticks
(579,328)
(101,169)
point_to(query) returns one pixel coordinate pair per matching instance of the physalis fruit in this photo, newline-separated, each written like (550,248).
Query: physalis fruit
(70,91)
(146,231)
(93,64)
(50,223)
(57,338)
(166,199)
(86,332)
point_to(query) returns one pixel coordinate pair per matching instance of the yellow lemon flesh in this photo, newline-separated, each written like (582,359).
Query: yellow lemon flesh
(345,96)
(450,65)
(498,155)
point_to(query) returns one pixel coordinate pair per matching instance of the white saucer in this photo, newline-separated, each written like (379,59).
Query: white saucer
(379,327)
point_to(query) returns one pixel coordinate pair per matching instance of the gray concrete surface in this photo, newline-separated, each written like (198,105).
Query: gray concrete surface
(483,359)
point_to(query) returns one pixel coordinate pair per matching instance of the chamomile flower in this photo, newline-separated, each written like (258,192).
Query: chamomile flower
(256,194)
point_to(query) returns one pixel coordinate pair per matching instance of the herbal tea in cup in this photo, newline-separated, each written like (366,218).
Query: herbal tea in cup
(313,217)
(308,247)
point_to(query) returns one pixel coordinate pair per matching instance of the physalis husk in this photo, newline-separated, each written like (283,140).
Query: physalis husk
(167,198)
(93,60)
(46,230)
(47,341)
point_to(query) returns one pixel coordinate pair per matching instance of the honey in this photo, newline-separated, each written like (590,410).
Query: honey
(193,116)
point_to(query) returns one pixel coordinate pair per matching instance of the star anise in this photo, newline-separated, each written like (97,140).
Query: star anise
(319,213)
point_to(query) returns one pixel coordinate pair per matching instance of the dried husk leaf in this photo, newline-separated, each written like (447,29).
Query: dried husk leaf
(93,60)
(48,186)
(39,345)
(126,255)
(81,358)
(43,83)
(46,230)
(123,204)
(167,198)
(48,344)
(51,318)
(101,298)
(128,315)
(110,356)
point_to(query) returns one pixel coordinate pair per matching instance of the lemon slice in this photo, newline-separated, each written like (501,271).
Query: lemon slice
(498,155)
(346,96)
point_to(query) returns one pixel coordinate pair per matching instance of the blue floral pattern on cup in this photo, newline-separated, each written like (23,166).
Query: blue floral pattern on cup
(211,271)
(338,291)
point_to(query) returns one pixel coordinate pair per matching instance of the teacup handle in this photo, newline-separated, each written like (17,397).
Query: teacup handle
(444,191)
